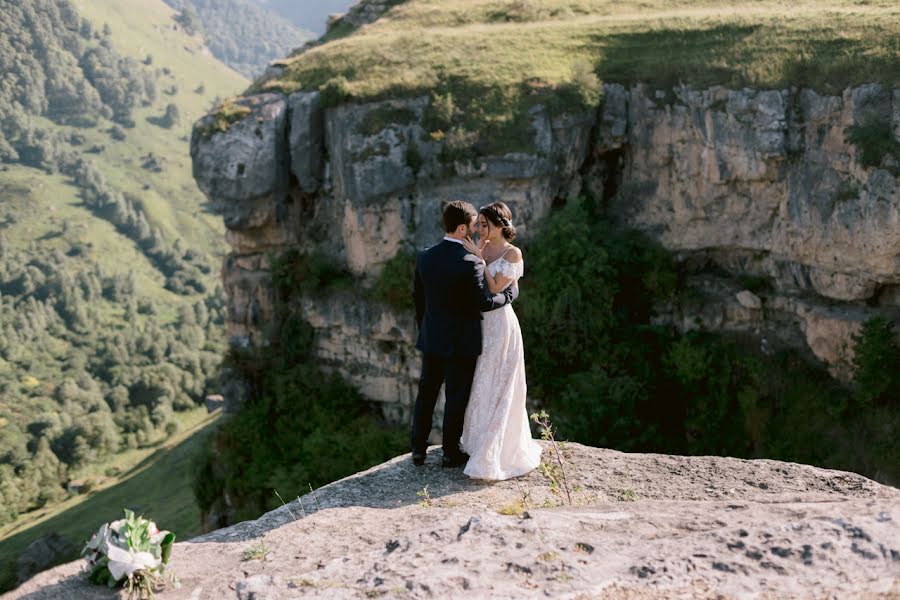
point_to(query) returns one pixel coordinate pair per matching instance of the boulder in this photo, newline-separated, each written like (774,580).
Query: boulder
(245,163)
(43,553)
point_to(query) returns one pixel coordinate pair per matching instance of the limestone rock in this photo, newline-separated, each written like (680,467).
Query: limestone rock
(712,171)
(42,553)
(613,118)
(749,300)
(242,169)
(260,587)
(306,139)
(369,159)
(642,526)
(842,286)
(365,12)
(830,337)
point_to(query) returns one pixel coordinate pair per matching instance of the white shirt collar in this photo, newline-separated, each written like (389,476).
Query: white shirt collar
(450,239)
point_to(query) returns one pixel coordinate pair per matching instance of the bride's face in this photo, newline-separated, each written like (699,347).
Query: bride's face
(473,226)
(484,228)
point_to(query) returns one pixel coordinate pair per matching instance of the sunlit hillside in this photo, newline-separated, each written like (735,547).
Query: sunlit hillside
(141,28)
(110,305)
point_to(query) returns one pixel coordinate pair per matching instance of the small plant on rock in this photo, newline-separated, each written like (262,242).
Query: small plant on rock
(256,552)
(424,498)
(554,469)
(512,509)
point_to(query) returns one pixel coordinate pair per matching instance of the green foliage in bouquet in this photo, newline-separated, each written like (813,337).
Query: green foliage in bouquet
(131,552)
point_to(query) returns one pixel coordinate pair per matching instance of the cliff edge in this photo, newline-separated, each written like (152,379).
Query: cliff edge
(640,526)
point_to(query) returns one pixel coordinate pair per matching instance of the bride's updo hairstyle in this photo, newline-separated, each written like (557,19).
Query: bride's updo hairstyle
(499,215)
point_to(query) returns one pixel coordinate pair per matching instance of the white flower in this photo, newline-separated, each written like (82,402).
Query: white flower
(97,546)
(123,563)
(117,526)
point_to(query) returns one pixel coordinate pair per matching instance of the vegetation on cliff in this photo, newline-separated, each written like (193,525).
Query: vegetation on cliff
(300,428)
(417,45)
(530,50)
(613,379)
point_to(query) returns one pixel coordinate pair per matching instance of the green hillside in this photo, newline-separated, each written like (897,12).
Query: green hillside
(310,14)
(141,28)
(155,481)
(242,34)
(111,324)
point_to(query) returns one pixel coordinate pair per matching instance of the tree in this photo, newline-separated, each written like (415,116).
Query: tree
(877,362)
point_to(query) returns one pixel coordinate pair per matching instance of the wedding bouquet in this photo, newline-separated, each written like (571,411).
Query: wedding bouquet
(131,551)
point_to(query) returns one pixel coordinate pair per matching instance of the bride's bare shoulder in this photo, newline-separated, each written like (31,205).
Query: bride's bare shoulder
(513,255)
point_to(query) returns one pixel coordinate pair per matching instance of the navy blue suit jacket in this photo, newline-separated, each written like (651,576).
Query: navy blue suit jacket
(450,295)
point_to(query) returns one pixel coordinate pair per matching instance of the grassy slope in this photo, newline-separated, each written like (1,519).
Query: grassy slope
(155,481)
(827,44)
(172,201)
(49,216)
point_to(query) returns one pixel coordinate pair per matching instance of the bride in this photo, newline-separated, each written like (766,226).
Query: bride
(496,434)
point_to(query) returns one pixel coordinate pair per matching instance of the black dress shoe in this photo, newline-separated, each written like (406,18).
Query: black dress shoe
(452,462)
(418,458)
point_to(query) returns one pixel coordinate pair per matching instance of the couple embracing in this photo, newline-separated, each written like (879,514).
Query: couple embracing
(471,343)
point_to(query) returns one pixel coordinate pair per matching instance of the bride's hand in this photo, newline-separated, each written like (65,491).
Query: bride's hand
(500,280)
(472,248)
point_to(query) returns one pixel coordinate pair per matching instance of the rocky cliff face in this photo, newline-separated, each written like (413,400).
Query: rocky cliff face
(641,526)
(755,189)
(765,185)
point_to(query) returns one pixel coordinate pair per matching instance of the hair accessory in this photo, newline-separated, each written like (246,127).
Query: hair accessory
(495,214)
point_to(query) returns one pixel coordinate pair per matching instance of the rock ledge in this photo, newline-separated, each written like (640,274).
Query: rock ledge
(645,526)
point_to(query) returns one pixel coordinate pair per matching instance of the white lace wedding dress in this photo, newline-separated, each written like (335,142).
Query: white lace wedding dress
(496,434)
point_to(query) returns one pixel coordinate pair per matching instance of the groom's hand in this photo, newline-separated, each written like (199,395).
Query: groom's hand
(471,247)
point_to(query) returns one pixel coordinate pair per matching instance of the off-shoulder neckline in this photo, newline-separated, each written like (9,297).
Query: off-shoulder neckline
(504,260)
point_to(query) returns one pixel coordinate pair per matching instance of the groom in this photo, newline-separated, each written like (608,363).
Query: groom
(450,295)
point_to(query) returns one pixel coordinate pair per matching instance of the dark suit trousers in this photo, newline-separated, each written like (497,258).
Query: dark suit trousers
(457,374)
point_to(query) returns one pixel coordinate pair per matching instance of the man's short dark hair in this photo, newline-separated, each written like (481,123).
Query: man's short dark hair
(458,213)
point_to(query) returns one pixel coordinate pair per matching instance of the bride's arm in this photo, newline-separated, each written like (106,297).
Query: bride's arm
(495,283)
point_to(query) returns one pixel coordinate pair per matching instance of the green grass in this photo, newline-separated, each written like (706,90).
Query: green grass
(155,481)
(50,216)
(419,44)
(497,59)
(228,112)
(171,199)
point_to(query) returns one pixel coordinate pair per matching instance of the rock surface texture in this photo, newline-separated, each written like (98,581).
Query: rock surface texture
(642,526)
(742,185)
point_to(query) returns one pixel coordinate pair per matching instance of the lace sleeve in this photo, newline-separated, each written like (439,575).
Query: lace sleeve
(513,270)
